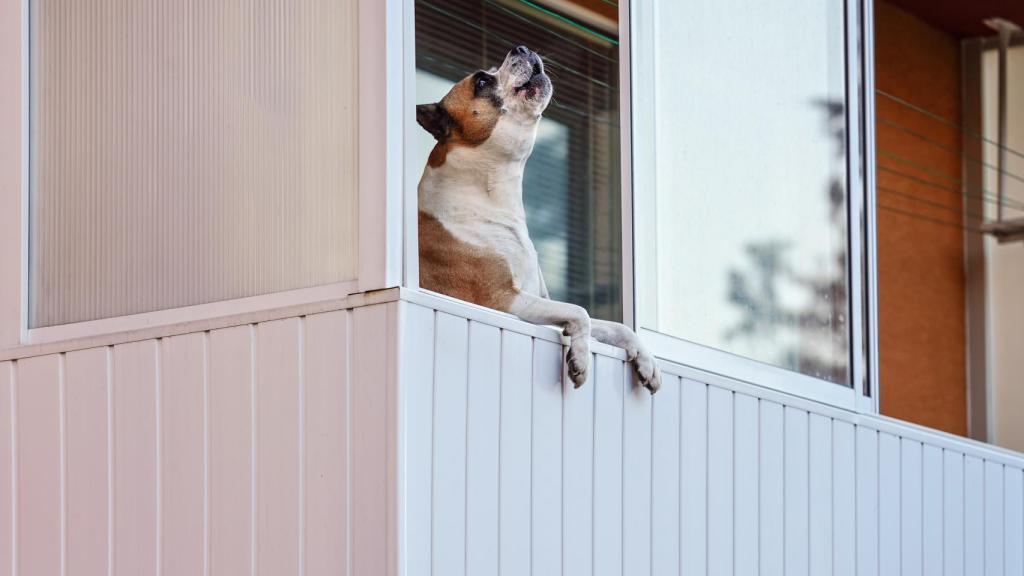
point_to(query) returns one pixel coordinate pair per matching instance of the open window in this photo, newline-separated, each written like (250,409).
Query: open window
(572,183)
(699,174)
(749,190)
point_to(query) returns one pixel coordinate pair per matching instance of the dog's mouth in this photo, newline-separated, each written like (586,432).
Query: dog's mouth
(536,75)
(536,71)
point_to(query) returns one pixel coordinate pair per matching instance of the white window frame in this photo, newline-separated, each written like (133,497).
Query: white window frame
(863,395)
(383,36)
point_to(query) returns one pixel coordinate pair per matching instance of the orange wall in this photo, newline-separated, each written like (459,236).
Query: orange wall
(920,255)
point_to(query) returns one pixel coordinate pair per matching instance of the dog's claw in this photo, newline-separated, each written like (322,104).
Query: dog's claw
(647,371)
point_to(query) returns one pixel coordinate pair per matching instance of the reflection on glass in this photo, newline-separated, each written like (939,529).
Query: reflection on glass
(749,248)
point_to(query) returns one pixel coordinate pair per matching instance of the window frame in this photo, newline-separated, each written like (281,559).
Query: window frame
(383,31)
(862,394)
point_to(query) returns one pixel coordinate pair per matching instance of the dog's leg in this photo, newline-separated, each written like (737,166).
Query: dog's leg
(574,321)
(621,336)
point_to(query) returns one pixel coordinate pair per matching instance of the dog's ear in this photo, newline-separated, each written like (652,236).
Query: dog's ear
(434,119)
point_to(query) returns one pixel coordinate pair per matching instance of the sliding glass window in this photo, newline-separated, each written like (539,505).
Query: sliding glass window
(741,188)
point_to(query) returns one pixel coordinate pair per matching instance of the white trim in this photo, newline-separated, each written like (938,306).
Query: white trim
(156,318)
(26,160)
(13,167)
(381,102)
(642,154)
(626,170)
(871,403)
(413,171)
(729,365)
(855,201)
(498,319)
(210,316)
(860,147)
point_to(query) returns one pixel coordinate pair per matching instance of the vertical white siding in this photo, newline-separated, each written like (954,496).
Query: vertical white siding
(88,462)
(577,484)
(637,498)
(693,480)
(514,443)
(867,501)
(546,464)
(8,470)
(277,429)
(665,477)
(931,510)
(953,502)
(182,449)
(39,479)
(234,451)
(889,508)
(326,535)
(608,454)
(401,440)
(450,411)
(910,508)
(820,495)
(720,494)
(483,411)
(771,497)
(844,501)
(705,477)
(746,506)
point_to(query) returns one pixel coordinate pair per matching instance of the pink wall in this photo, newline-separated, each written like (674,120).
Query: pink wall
(220,452)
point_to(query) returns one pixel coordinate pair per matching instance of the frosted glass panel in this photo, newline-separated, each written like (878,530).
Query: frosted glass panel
(742,244)
(187,152)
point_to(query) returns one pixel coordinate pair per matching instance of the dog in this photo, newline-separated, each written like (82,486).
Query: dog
(474,244)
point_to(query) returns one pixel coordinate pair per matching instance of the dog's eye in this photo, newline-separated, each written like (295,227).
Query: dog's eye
(481,83)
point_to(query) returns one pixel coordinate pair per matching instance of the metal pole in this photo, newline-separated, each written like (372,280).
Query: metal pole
(1004,44)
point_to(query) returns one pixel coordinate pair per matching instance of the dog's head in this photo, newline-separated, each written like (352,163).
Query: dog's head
(499,107)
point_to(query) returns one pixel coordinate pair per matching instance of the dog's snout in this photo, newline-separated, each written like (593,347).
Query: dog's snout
(521,50)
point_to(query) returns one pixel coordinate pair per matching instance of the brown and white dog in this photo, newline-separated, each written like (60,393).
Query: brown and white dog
(474,244)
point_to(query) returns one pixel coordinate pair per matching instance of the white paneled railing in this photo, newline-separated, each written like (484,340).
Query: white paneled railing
(425,436)
(511,471)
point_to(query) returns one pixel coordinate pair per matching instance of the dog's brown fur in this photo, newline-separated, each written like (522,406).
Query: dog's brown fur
(462,270)
(472,119)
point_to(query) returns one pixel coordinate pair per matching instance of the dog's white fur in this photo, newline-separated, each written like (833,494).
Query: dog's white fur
(477,195)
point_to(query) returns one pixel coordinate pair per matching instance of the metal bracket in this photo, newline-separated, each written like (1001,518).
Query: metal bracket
(1005,230)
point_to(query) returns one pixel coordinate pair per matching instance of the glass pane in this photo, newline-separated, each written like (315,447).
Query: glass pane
(571,186)
(743,246)
(188,152)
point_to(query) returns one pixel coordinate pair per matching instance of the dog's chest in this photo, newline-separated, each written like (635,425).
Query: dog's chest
(507,237)
(492,226)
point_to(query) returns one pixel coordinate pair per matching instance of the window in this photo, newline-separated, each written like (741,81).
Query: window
(185,153)
(571,186)
(747,248)
(742,187)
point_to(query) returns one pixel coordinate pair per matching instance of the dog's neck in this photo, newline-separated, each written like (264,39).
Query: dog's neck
(485,174)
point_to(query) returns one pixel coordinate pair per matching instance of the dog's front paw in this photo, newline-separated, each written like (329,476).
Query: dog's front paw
(647,371)
(577,361)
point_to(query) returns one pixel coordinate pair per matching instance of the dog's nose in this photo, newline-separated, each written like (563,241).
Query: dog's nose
(521,50)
